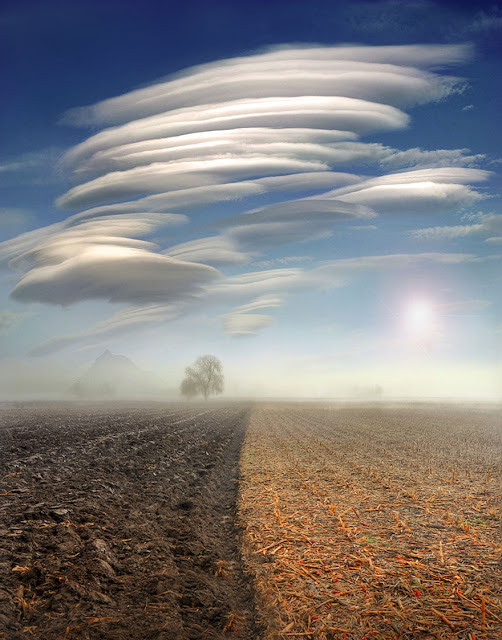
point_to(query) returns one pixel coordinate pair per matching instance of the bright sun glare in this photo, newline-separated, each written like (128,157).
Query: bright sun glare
(419,317)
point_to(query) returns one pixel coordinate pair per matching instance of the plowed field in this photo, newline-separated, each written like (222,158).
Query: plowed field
(120,523)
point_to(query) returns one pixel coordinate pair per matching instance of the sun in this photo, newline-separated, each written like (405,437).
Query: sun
(419,317)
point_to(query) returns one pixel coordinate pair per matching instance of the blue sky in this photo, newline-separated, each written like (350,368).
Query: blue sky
(311,191)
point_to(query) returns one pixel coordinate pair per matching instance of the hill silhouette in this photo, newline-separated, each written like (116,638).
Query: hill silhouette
(113,376)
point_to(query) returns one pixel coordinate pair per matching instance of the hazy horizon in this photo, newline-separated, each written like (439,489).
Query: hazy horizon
(314,200)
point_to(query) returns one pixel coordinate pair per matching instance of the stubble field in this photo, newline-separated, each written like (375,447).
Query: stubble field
(280,520)
(370,522)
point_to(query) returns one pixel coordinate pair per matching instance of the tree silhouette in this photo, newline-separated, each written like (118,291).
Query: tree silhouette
(204,377)
(188,388)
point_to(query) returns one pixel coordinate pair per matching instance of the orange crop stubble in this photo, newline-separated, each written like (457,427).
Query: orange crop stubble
(339,521)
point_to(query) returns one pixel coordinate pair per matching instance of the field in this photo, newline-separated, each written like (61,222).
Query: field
(299,520)
(374,522)
(119,523)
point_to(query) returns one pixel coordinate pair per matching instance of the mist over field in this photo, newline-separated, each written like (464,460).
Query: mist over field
(25,381)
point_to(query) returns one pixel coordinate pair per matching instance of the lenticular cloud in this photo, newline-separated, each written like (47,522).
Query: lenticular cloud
(284,112)
(279,122)
(394,75)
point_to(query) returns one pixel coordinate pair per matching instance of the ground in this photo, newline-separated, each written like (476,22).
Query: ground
(119,523)
(246,522)
(374,521)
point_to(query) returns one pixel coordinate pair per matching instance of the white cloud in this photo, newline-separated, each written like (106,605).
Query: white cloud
(330,274)
(206,145)
(245,324)
(422,197)
(488,223)
(213,250)
(32,167)
(257,290)
(283,260)
(263,302)
(291,221)
(422,190)
(121,322)
(274,123)
(158,177)
(420,158)
(15,250)
(335,273)
(196,196)
(70,240)
(12,248)
(255,283)
(233,191)
(371,73)
(261,237)
(315,112)
(447,233)
(281,112)
(82,259)
(114,273)
(244,321)
(441,175)
(308,181)
(304,210)
(392,260)
(315,145)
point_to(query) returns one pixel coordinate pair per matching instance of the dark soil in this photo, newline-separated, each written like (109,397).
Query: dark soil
(119,523)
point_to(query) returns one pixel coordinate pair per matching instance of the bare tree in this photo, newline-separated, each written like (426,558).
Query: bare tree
(205,377)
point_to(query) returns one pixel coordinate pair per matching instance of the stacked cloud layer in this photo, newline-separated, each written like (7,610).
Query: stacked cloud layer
(287,123)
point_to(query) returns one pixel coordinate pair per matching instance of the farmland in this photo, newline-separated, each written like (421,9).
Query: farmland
(270,521)
(369,522)
(118,523)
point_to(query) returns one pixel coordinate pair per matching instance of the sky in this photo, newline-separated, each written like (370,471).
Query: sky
(308,191)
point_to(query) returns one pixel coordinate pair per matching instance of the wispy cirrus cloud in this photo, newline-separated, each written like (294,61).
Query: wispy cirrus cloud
(484,21)
(33,167)
(245,321)
(213,250)
(121,322)
(425,159)
(246,324)
(484,224)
